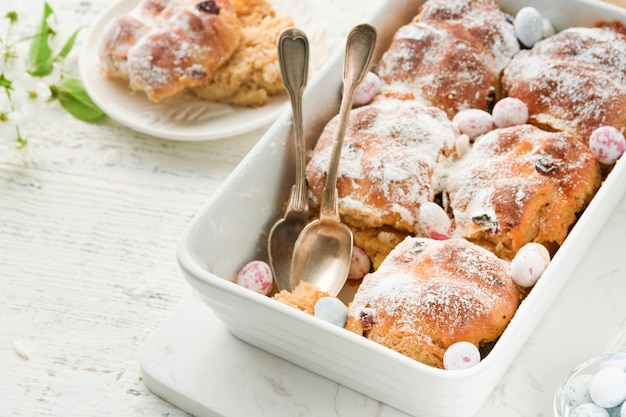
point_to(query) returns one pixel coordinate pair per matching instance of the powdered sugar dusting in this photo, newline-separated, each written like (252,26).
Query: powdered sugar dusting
(509,170)
(573,81)
(387,163)
(451,54)
(429,287)
(164,46)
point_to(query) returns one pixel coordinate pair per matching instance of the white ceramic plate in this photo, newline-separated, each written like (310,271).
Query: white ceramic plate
(186,117)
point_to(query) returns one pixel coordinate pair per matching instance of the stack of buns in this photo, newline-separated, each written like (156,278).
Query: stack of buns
(221,50)
(510,187)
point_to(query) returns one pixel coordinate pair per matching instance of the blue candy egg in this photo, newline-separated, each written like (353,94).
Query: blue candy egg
(332,310)
(577,391)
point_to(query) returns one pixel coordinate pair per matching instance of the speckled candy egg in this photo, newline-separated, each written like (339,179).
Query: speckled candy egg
(367,90)
(526,268)
(256,276)
(577,391)
(331,310)
(473,122)
(509,111)
(434,221)
(608,387)
(607,144)
(589,410)
(360,264)
(461,355)
(528,26)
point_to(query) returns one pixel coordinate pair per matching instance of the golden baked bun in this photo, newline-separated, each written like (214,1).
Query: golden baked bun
(303,297)
(162,47)
(428,294)
(451,55)
(252,75)
(387,163)
(574,81)
(518,185)
(120,35)
(377,242)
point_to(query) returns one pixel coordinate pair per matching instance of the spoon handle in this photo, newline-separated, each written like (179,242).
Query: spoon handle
(293,56)
(359,50)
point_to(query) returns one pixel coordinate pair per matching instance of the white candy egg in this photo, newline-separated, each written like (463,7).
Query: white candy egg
(622,410)
(547,28)
(461,355)
(608,387)
(434,221)
(509,111)
(526,268)
(256,276)
(607,144)
(331,310)
(462,144)
(360,264)
(367,90)
(473,122)
(540,249)
(589,410)
(528,26)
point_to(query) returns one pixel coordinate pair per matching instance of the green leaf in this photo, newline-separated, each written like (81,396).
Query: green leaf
(40,54)
(5,82)
(69,44)
(73,98)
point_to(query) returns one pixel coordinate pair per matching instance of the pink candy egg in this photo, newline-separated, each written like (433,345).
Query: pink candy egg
(526,268)
(434,221)
(367,90)
(607,144)
(256,276)
(509,112)
(461,355)
(473,122)
(360,264)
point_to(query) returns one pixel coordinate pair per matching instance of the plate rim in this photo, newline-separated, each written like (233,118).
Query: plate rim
(125,114)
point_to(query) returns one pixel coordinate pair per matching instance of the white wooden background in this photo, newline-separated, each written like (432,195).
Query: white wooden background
(90,216)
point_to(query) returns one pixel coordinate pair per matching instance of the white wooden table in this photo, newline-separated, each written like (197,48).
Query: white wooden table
(90,216)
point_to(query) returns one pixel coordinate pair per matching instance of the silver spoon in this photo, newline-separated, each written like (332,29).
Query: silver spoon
(323,250)
(293,56)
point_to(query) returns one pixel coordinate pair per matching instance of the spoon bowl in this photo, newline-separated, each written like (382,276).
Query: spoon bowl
(323,251)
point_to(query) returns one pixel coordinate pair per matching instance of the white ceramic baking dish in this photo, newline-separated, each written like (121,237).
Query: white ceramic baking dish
(231,229)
